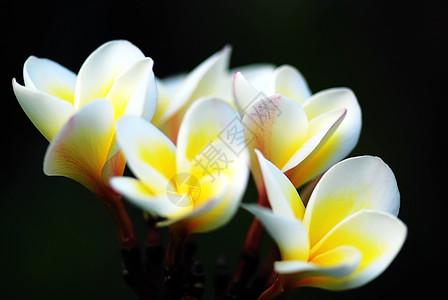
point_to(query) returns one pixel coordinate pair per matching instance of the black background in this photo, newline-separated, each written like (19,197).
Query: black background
(57,241)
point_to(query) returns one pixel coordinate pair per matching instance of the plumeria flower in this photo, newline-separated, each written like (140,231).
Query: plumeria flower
(211,78)
(302,134)
(77,114)
(349,232)
(197,185)
(177,93)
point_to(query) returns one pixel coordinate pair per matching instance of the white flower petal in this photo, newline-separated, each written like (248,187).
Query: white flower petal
(313,144)
(166,89)
(211,144)
(282,195)
(279,126)
(80,149)
(150,154)
(134,92)
(259,75)
(209,120)
(338,262)
(290,82)
(206,80)
(322,271)
(173,82)
(202,81)
(289,233)
(47,112)
(244,93)
(211,210)
(49,77)
(102,68)
(341,142)
(139,194)
(378,236)
(364,182)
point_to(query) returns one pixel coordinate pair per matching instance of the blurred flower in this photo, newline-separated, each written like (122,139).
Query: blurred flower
(211,78)
(347,235)
(77,113)
(302,134)
(198,185)
(177,93)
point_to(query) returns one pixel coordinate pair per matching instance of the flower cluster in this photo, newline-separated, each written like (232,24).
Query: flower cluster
(192,141)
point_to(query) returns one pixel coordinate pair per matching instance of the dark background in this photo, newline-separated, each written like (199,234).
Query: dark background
(58,242)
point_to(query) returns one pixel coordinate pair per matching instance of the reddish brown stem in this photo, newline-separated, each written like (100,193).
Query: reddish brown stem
(154,252)
(133,273)
(175,252)
(125,228)
(275,291)
(174,266)
(250,254)
(254,236)
(266,275)
(153,236)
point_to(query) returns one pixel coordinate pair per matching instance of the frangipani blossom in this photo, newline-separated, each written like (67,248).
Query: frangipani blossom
(349,232)
(211,78)
(77,114)
(302,134)
(198,185)
(177,93)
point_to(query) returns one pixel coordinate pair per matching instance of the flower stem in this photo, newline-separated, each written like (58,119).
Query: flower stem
(275,291)
(175,252)
(250,255)
(125,229)
(133,273)
(153,234)
(174,266)
(154,257)
(265,276)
